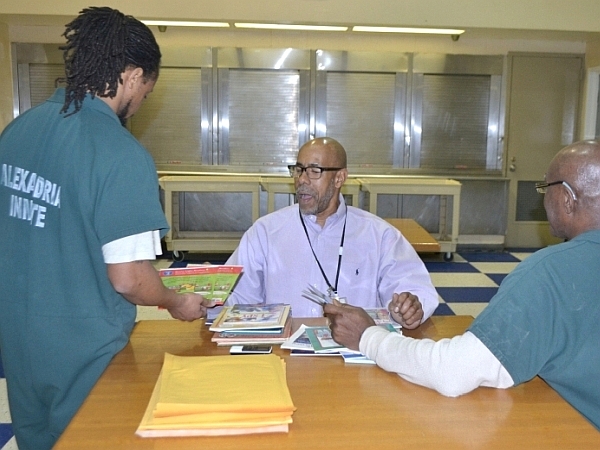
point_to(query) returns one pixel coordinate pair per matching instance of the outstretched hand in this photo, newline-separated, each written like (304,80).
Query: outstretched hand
(347,323)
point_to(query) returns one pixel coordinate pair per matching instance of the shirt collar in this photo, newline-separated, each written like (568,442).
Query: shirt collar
(335,217)
(88,102)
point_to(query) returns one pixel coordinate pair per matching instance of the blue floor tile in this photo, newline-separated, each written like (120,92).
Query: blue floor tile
(466,295)
(6,433)
(178,264)
(497,277)
(200,258)
(434,266)
(443,310)
(489,257)
(522,250)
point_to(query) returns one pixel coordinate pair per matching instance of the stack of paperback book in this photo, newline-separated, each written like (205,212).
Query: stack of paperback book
(252,324)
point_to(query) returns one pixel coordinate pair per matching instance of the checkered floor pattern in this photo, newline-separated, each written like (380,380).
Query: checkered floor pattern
(465,286)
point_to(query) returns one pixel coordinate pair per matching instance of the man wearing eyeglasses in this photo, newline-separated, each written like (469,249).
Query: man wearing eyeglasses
(339,250)
(543,320)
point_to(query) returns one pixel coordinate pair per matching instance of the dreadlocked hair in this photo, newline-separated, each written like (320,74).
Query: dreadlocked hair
(101,44)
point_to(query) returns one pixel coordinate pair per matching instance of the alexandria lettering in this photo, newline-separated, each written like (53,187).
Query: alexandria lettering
(30,183)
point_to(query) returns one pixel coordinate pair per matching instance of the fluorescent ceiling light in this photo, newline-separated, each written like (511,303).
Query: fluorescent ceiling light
(407,30)
(180,23)
(280,26)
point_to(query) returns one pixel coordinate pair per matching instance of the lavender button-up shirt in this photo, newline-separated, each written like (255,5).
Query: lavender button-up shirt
(377,261)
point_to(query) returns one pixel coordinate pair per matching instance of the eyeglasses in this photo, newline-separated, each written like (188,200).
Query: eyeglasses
(313,172)
(541,188)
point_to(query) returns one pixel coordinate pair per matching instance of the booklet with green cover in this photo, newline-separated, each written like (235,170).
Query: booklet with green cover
(213,282)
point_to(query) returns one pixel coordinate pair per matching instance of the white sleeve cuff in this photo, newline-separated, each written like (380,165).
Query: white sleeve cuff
(450,366)
(137,247)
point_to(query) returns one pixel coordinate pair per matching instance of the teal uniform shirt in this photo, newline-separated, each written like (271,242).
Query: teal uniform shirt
(68,185)
(545,320)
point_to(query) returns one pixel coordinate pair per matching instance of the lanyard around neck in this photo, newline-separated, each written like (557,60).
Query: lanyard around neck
(332,289)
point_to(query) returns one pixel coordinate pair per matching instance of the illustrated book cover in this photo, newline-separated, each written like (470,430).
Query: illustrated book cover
(213,282)
(251,317)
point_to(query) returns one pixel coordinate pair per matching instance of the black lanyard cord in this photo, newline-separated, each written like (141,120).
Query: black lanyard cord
(333,289)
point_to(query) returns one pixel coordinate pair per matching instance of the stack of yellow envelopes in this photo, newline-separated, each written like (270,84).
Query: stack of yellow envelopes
(218,395)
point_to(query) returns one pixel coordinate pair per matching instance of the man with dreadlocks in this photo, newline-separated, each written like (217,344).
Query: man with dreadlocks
(81,220)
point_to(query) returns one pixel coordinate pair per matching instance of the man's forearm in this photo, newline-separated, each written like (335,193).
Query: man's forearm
(139,283)
(450,366)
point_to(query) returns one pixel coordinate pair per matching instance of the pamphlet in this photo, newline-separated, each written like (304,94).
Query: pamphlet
(299,341)
(213,282)
(322,341)
(318,341)
(381,316)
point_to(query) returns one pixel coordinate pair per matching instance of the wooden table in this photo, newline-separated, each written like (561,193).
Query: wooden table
(338,406)
(418,236)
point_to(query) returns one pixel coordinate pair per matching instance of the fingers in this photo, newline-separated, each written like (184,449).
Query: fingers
(208,303)
(406,309)
(400,303)
(332,308)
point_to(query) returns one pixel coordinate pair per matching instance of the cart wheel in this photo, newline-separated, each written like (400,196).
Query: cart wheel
(178,255)
(448,256)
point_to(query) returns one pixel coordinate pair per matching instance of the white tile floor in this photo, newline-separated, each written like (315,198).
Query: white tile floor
(465,286)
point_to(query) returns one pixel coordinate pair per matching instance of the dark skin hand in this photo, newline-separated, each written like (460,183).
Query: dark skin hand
(348,323)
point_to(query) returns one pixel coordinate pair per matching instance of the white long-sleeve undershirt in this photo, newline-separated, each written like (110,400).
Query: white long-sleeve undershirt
(137,247)
(450,366)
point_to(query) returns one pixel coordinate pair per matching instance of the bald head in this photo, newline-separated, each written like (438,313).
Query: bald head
(332,149)
(575,208)
(319,195)
(579,165)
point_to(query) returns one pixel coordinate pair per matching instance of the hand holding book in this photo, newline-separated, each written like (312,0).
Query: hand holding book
(189,307)
(213,282)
